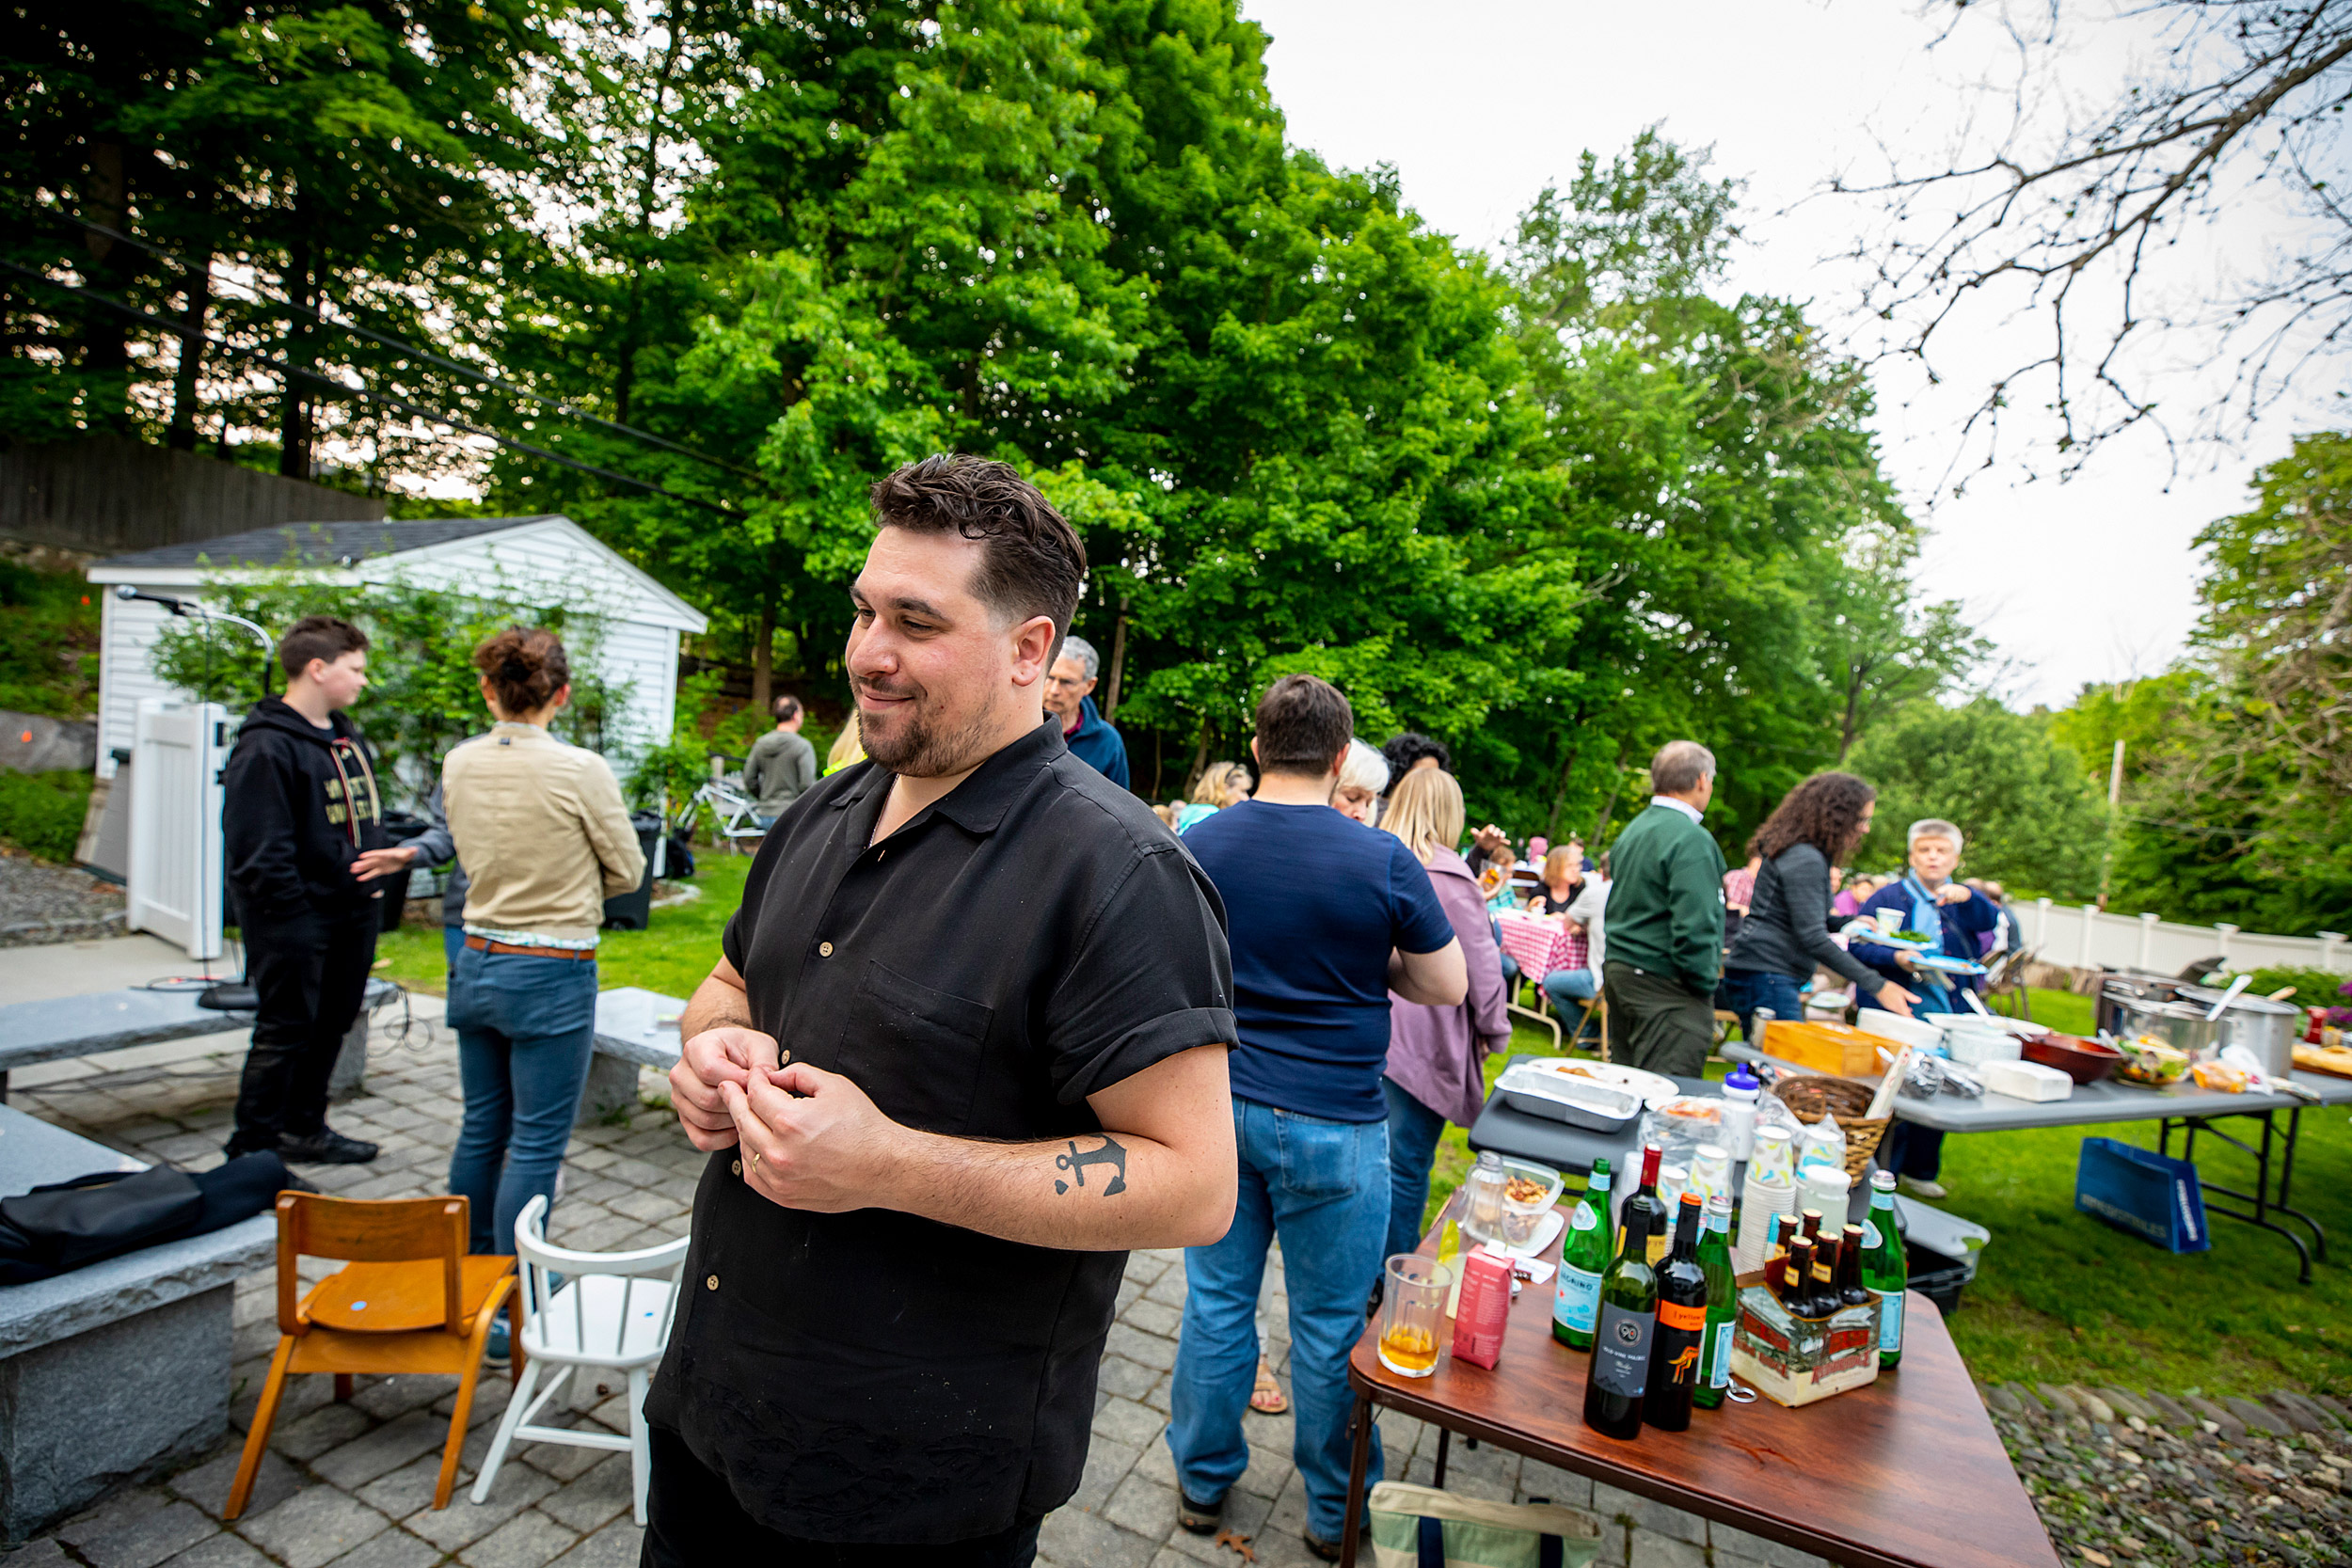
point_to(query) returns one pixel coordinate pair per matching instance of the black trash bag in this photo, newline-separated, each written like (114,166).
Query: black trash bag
(70,1224)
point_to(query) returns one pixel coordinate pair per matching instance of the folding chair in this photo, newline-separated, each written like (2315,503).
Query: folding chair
(613,1309)
(408,1300)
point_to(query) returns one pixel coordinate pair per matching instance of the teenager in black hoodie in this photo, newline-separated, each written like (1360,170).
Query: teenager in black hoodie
(304,831)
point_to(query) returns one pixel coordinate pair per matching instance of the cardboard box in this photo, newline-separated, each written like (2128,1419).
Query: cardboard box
(1838,1049)
(1794,1361)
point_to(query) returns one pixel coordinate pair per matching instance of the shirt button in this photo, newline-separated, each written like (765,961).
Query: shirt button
(711,1284)
(735,1166)
(824,950)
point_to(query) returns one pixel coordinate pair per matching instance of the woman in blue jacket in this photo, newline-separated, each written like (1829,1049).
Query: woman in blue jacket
(1928,900)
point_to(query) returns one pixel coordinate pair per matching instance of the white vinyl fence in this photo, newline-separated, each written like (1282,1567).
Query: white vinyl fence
(173,882)
(2086,937)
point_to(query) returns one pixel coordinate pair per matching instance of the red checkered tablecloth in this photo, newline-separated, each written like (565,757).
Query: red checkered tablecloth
(1542,945)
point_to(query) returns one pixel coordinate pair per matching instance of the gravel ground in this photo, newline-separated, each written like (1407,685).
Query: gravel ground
(2122,1476)
(43,903)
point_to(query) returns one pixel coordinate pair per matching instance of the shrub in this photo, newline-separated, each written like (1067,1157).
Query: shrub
(41,813)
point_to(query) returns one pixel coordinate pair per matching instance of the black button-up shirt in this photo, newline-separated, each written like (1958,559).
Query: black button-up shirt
(1032,937)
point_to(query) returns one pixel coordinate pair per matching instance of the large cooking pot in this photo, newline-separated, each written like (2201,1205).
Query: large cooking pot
(2118,987)
(2268,1029)
(2176,1024)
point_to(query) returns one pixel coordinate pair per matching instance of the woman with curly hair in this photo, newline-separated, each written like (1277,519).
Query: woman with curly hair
(1786,936)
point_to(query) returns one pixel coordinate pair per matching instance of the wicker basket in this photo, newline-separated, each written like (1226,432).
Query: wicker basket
(1810,1098)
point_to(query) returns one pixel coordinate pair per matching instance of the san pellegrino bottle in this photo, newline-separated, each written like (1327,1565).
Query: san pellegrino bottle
(1883,1267)
(1583,1260)
(1723,1302)
(1625,1325)
(1680,1338)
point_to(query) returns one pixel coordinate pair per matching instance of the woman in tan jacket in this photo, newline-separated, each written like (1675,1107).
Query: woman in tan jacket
(544,837)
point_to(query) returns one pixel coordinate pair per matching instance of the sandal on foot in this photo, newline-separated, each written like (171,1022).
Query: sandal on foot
(1267,1398)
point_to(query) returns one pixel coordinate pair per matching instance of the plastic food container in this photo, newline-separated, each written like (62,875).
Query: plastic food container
(1980,1048)
(2084,1061)
(1542,1090)
(1920,1034)
(1522,1214)
(2027,1081)
(2150,1062)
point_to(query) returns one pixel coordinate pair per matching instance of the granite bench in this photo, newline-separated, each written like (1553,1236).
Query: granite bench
(635,1027)
(63,1027)
(116,1372)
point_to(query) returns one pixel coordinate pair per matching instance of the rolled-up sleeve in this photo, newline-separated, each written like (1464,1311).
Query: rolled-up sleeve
(1151,977)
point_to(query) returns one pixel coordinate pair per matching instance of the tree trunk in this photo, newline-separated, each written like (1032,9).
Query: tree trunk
(199,302)
(105,347)
(764,658)
(1119,660)
(293,417)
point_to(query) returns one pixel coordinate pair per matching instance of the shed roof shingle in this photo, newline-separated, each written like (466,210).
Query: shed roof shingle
(318,544)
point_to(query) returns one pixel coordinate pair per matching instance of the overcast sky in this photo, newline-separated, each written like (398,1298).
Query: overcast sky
(1480,103)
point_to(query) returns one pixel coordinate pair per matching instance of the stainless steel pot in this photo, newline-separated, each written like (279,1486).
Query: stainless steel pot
(2176,1024)
(2268,1029)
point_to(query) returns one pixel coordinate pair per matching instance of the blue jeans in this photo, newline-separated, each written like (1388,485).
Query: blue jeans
(1743,991)
(1571,986)
(1414,1130)
(524,1029)
(1322,1187)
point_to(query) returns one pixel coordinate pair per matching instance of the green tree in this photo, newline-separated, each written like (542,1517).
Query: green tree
(2031,816)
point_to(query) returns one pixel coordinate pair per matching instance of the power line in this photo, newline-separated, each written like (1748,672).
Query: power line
(510,387)
(291,374)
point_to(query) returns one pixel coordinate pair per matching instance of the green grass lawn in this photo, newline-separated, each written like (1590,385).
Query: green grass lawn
(2059,1296)
(672,954)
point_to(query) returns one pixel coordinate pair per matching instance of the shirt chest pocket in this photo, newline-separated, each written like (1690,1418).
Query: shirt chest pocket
(916,1050)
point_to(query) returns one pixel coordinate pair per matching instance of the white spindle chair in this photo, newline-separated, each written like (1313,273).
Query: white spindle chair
(613,1309)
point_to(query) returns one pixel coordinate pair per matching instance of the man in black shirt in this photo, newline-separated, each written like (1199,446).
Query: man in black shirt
(965,1047)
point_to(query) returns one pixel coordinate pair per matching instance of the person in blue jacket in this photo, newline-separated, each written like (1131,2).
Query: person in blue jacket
(1069,697)
(1929,900)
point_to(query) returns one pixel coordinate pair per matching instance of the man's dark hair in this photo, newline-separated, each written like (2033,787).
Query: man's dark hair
(1034,564)
(787,709)
(1303,725)
(1403,750)
(326,636)
(1678,767)
(1825,811)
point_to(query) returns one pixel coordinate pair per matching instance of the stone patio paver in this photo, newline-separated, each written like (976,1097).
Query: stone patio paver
(350,1485)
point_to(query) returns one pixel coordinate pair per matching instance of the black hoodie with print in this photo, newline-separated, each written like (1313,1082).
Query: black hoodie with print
(298,805)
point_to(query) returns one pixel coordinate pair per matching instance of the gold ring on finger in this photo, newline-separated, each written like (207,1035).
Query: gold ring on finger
(754,1153)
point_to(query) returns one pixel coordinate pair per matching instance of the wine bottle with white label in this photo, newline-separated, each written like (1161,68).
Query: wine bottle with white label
(1627,1322)
(1583,1257)
(1723,1303)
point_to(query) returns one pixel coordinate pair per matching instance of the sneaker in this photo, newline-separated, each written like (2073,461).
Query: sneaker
(324,1146)
(1200,1518)
(499,1355)
(1918,1186)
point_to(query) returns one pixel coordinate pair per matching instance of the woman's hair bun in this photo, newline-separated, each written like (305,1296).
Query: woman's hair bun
(525,667)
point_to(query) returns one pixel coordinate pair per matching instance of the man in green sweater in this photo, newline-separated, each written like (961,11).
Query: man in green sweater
(1666,922)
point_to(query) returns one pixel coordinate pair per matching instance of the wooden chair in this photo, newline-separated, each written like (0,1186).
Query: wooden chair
(611,1309)
(409,1301)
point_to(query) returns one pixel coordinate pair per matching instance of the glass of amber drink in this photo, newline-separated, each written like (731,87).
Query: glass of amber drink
(1412,1314)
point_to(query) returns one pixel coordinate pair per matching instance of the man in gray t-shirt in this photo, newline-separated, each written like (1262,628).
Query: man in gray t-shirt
(782,765)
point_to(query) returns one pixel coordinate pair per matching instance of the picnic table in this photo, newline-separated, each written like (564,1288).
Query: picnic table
(2192,1109)
(1907,1472)
(1541,944)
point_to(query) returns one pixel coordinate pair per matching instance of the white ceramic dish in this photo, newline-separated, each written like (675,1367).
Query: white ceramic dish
(1978,1048)
(2025,1029)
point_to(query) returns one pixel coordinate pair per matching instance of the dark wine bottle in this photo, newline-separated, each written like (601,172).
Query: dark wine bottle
(1680,1337)
(1825,1252)
(1619,1373)
(1634,1216)
(1777,1256)
(1850,1290)
(1813,1225)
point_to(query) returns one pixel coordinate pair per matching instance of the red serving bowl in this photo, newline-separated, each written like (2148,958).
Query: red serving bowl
(2084,1061)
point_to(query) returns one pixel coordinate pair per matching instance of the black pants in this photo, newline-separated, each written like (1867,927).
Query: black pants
(1655,1022)
(693,1520)
(310,974)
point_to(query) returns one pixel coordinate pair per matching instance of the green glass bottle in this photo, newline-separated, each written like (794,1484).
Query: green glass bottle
(1583,1259)
(1883,1267)
(1723,1303)
(1626,1326)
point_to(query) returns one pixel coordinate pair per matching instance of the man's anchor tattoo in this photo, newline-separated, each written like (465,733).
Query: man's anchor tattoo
(1075,1163)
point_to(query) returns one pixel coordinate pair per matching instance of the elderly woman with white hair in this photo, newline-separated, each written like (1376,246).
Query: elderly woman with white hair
(1363,779)
(1928,900)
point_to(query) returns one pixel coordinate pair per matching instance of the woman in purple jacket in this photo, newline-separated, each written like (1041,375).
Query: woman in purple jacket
(1435,1053)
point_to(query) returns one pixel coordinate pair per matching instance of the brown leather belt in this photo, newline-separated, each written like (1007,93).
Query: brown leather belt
(483,944)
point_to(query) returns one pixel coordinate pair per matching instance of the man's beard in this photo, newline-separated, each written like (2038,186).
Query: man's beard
(915,748)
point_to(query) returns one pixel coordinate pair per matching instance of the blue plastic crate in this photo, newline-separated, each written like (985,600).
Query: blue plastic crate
(2154,1197)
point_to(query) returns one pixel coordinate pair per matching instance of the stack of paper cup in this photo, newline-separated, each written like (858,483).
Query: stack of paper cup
(1825,1188)
(1710,1172)
(1759,1201)
(1775,1154)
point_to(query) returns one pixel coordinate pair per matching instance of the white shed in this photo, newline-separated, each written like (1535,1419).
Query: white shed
(548,556)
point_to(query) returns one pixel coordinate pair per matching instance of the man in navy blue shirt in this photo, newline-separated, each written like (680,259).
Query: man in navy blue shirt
(1327,917)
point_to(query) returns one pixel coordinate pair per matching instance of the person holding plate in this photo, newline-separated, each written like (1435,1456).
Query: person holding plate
(1926,900)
